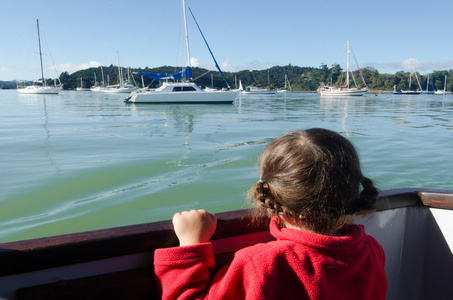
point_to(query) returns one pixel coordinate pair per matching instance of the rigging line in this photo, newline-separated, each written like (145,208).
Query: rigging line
(202,75)
(360,71)
(209,48)
(131,76)
(51,59)
(353,78)
(416,76)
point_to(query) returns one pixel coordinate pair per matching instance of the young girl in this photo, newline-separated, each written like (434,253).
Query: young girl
(311,186)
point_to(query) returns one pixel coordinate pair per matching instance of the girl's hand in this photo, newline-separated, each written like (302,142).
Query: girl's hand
(194,227)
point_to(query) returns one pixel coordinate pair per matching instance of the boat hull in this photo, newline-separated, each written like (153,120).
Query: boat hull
(194,97)
(260,93)
(182,93)
(117,90)
(442,93)
(39,90)
(255,90)
(97,88)
(406,93)
(342,92)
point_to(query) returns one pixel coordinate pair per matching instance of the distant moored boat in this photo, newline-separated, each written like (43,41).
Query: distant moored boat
(186,91)
(43,88)
(343,90)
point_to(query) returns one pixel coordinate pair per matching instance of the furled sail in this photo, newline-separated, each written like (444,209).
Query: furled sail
(186,73)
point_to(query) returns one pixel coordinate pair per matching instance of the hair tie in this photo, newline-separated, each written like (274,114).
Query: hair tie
(277,205)
(262,188)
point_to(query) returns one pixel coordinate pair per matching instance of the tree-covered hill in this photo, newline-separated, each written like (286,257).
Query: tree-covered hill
(301,78)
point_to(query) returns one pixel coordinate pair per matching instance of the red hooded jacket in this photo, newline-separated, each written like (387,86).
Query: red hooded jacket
(297,265)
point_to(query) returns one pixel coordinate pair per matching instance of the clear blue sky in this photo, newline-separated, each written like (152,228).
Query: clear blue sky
(389,35)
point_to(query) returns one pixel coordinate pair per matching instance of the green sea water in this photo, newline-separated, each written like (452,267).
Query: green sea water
(80,161)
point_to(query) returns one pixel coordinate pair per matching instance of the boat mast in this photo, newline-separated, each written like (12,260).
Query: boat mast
(119,69)
(102,73)
(347,67)
(40,54)
(427,82)
(187,35)
(268,81)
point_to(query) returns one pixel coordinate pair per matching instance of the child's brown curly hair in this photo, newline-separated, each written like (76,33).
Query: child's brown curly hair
(313,175)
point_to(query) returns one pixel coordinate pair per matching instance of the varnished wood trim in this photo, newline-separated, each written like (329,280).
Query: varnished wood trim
(437,199)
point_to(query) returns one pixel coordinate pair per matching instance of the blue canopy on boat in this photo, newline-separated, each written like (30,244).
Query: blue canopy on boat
(186,73)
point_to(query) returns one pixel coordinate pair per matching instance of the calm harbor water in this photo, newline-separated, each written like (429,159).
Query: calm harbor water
(80,160)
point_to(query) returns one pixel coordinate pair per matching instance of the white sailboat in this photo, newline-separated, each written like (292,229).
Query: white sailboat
(257,90)
(98,87)
(427,91)
(43,88)
(182,92)
(408,91)
(444,91)
(240,86)
(287,87)
(343,90)
(81,88)
(123,87)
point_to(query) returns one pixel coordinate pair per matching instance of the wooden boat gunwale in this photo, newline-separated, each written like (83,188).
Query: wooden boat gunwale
(84,248)
(30,255)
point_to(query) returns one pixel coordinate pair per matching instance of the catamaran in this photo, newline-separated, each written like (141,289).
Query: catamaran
(43,88)
(344,90)
(184,91)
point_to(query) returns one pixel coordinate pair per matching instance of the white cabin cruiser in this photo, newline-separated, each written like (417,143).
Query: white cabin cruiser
(182,92)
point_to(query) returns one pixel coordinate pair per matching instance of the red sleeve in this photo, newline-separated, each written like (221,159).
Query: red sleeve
(184,272)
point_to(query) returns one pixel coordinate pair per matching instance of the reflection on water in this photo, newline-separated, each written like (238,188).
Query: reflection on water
(47,145)
(81,160)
